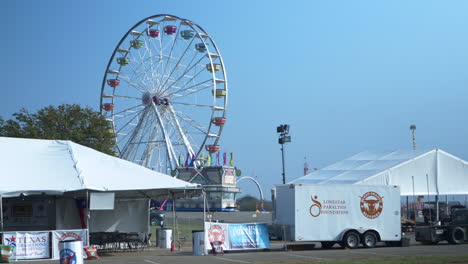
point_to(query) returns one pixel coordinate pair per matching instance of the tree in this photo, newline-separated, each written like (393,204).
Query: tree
(65,122)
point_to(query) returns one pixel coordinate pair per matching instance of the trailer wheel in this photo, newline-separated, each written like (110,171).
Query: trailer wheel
(456,236)
(351,239)
(369,239)
(327,244)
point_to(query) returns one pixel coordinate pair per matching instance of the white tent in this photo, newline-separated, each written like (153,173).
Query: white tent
(433,172)
(69,171)
(32,166)
(45,181)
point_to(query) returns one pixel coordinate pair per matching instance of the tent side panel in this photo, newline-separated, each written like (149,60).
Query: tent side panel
(453,175)
(129,215)
(67,214)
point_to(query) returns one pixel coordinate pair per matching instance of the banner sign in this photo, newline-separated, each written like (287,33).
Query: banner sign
(28,245)
(65,235)
(237,236)
(244,236)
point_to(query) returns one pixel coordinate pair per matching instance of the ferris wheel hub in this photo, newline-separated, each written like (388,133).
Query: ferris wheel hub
(149,98)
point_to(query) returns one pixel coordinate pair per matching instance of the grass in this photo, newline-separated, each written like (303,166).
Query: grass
(405,260)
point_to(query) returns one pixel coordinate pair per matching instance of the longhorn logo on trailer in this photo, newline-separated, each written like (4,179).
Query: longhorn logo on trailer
(371,205)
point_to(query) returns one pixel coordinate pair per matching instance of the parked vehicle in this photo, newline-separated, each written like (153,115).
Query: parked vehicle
(346,214)
(453,229)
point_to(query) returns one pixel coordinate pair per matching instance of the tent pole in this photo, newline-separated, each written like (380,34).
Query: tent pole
(430,213)
(1,212)
(88,216)
(414,207)
(446,205)
(437,207)
(204,208)
(407,207)
(173,218)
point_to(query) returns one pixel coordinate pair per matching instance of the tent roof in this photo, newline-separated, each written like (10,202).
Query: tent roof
(436,170)
(57,166)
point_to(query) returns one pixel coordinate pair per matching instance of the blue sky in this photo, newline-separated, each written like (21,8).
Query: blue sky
(348,76)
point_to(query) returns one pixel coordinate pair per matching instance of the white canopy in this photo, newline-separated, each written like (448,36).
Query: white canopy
(31,166)
(435,172)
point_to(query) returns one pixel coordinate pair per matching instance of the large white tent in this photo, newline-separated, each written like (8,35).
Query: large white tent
(65,171)
(50,184)
(433,172)
(32,166)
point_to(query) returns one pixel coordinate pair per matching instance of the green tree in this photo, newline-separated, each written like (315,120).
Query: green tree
(65,122)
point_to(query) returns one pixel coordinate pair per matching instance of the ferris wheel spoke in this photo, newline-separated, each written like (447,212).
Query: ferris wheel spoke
(141,141)
(151,62)
(128,148)
(172,48)
(197,105)
(126,97)
(191,87)
(141,69)
(169,147)
(193,91)
(126,115)
(128,109)
(182,75)
(128,122)
(147,154)
(178,128)
(134,85)
(178,63)
(187,82)
(192,122)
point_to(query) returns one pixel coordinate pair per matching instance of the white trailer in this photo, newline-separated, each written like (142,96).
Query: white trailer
(344,214)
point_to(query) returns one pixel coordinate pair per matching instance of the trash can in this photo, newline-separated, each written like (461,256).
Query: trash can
(164,237)
(198,242)
(71,252)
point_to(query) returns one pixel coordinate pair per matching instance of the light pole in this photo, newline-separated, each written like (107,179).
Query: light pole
(413,129)
(283,131)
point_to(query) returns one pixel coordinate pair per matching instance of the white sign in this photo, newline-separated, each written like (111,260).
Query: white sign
(65,235)
(28,245)
(101,201)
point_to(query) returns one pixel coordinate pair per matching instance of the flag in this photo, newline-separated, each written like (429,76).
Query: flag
(186,160)
(231,162)
(224,158)
(180,160)
(217,158)
(209,159)
(203,159)
(194,157)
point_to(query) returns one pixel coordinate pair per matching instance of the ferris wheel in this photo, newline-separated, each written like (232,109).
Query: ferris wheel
(165,93)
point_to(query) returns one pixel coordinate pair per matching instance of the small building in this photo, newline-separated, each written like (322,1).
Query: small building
(219,182)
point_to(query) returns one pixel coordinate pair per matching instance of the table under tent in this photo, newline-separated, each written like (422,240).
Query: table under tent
(422,176)
(57,190)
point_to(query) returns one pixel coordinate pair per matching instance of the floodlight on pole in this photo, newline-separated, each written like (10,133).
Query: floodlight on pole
(283,131)
(413,129)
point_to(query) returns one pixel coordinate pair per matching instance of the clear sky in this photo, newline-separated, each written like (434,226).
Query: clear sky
(348,76)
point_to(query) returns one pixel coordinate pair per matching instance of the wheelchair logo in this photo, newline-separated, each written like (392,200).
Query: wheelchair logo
(316,208)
